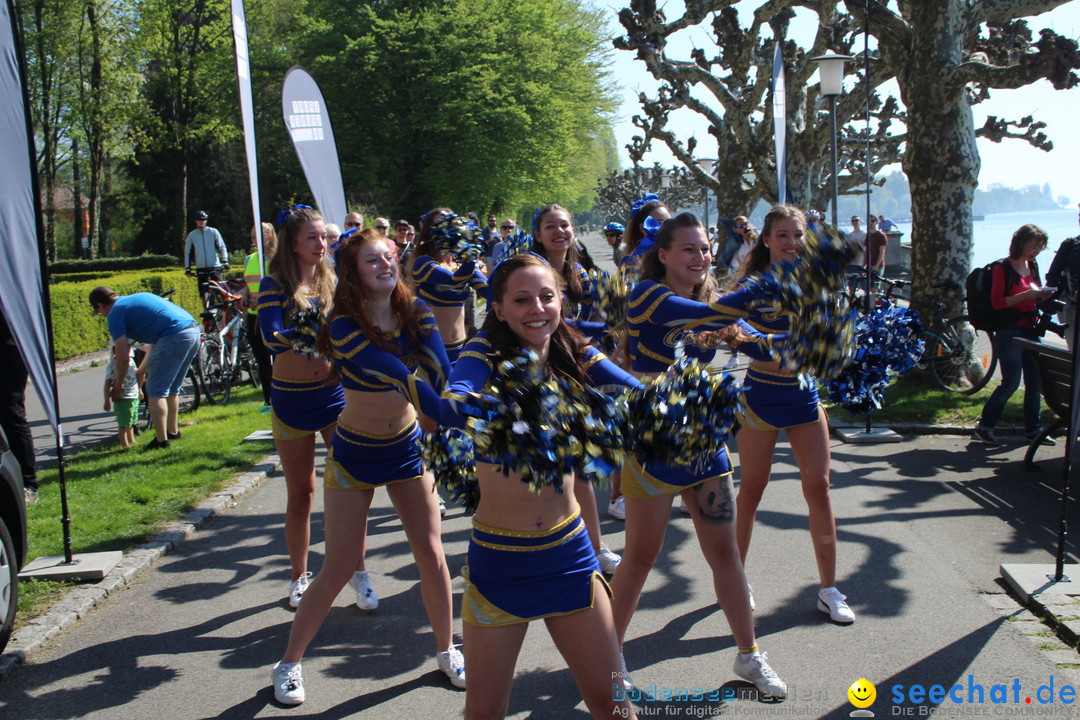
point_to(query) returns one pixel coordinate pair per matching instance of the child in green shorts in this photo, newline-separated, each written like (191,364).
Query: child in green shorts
(126,408)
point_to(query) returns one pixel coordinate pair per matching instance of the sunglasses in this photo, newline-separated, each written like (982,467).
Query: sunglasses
(613,234)
(352,224)
(382,227)
(507,227)
(740,226)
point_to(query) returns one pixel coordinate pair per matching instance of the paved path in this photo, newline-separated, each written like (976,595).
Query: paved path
(923,527)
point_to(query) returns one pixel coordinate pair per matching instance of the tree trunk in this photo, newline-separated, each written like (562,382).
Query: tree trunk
(942,160)
(76,201)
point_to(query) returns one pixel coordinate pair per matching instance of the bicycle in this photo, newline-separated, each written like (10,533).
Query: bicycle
(959,357)
(224,350)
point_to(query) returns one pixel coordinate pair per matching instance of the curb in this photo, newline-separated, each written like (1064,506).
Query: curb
(136,562)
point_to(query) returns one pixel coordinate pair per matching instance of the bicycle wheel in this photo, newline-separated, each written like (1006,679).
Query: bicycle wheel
(215,377)
(189,392)
(961,359)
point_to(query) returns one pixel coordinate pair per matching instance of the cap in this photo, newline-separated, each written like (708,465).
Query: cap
(201,215)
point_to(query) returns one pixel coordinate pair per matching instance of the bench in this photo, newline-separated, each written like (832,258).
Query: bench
(1055,376)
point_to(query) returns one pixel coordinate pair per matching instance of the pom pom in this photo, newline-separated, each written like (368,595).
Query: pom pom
(888,343)
(545,428)
(820,341)
(459,237)
(449,454)
(306,325)
(609,293)
(684,416)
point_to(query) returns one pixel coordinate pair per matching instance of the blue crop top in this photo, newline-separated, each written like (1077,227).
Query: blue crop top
(472,371)
(273,308)
(417,372)
(441,288)
(658,318)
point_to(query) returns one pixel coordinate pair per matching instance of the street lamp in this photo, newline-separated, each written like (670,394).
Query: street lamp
(706,165)
(831,76)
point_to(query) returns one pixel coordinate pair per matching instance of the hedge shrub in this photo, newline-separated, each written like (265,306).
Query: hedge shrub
(77,331)
(114,265)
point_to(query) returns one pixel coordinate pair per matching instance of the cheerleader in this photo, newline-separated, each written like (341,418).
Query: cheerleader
(636,243)
(529,555)
(676,293)
(303,401)
(444,284)
(392,365)
(553,240)
(776,400)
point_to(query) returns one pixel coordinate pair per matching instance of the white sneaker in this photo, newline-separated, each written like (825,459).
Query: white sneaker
(755,668)
(297,588)
(288,683)
(608,560)
(452,663)
(617,508)
(366,599)
(750,594)
(627,681)
(832,601)
(442,507)
(731,364)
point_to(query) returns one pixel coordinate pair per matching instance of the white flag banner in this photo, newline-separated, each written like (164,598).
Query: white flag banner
(247,115)
(779,113)
(308,123)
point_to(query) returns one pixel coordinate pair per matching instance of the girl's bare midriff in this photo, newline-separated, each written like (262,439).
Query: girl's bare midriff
(377,413)
(451,322)
(509,504)
(292,365)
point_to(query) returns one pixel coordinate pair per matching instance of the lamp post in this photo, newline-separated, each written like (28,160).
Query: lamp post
(706,165)
(831,76)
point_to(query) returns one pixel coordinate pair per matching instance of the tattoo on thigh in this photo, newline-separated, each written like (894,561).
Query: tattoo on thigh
(717,501)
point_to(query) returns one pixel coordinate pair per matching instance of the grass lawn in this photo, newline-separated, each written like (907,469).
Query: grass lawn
(120,498)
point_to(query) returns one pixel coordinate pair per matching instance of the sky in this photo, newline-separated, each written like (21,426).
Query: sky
(1013,163)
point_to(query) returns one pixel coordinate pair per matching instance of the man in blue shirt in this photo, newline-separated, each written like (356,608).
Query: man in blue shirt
(172,339)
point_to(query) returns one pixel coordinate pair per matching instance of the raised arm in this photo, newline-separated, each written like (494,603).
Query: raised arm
(467,381)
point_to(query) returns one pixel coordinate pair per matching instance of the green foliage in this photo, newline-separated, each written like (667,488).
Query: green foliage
(77,331)
(114,264)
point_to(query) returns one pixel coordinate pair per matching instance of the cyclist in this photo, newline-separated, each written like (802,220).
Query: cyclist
(205,253)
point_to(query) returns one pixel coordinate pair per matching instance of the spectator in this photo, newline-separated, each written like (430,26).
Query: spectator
(382,226)
(354,221)
(401,242)
(13,377)
(126,407)
(1064,274)
(748,236)
(1015,294)
(333,232)
(613,232)
(205,251)
(885,224)
(877,242)
(489,235)
(858,263)
(253,275)
(152,320)
(499,249)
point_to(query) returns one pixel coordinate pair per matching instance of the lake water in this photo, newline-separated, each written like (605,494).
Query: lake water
(993,234)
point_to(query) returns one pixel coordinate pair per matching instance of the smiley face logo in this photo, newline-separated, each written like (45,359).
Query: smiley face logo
(862,693)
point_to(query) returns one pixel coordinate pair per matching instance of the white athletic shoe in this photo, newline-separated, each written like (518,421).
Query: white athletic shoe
(288,683)
(366,599)
(297,589)
(755,668)
(452,663)
(608,560)
(833,602)
(617,508)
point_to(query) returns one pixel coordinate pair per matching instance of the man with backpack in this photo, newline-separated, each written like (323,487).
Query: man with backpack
(1064,274)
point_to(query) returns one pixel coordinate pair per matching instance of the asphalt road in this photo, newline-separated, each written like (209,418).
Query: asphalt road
(923,526)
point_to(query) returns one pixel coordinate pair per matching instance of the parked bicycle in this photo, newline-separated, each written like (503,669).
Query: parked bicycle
(959,358)
(224,350)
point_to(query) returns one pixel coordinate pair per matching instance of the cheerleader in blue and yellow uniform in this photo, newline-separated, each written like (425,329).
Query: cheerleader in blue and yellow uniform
(553,240)
(779,400)
(637,241)
(392,365)
(529,555)
(676,296)
(292,305)
(443,283)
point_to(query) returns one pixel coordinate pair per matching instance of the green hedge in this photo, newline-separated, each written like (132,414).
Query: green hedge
(77,331)
(114,265)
